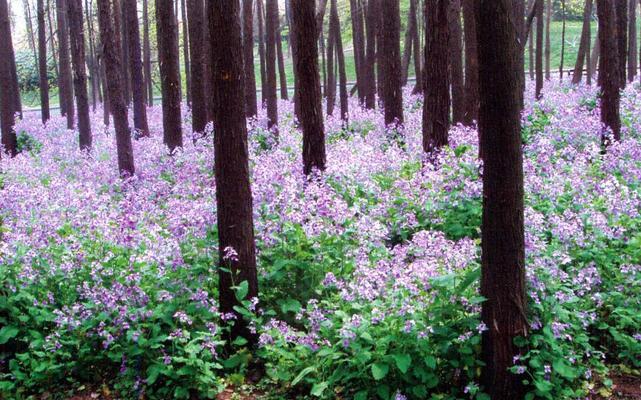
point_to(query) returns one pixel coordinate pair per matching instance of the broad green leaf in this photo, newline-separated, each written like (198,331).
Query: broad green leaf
(403,362)
(379,370)
(7,333)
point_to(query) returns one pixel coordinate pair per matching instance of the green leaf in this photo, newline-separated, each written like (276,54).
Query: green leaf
(403,362)
(241,290)
(318,389)
(379,370)
(302,374)
(430,362)
(7,333)
(290,305)
(563,368)
(362,395)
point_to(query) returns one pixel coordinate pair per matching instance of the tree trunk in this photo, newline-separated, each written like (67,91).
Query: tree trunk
(135,68)
(548,19)
(168,57)
(281,65)
(251,108)
(77,36)
(539,47)
(147,54)
(594,59)
(186,53)
(113,81)
(370,67)
(418,70)
(106,109)
(124,35)
(609,78)
(456,62)
(436,107)
(562,42)
(65,80)
(271,27)
(358,40)
(471,64)
(29,26)
(502,238)
(92,62)
(7,104)
(335,25)
(389,40)
(632,41)
(261,50)
(196,49)
(306,65)
(42,63)
(621,12)
(330,90)
(532,3)
(407,50)
(236,245)
(584,46)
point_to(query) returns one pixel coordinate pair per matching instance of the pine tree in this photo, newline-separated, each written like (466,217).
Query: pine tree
(251,107)
(42,63)
(271,28)
(77,39)
(389,40)
(197,65)
(609,78)
(7,105)
(135,68)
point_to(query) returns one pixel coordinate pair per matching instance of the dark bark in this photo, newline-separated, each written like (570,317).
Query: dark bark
(309,92)
(358,41)
(456,62)
(390,60)
(106,109)
(530,40)
(584,46)
(233,191)
(135,68)
(251,107)
(370,64)
(436,107)
(169,60)
(594,59)
(147,54)
(65,80)
(77,39)
(502,238)
(113,81)
(335,25)
(407,50)
(261,50)
(471,64)
(632,41)
(416,42)
(539,47)
(609,78)
(198,78)
(622,38)
(281,65)
(518,10)
(271,27)
(330,90)
(42,63)
(7,105)
(124,36)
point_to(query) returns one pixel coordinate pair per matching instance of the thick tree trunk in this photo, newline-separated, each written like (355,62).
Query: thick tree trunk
(436,107)
(251,107)
(389,40)
(584,46)
(261,50)
(135,68)
(358,40)
(124,36)
(65,81)
(7,104)
(456,62)
(518,10)
(370,65)
(539,47)
(271,27)
(335,26)
(147,54)
(168,57)
(42,63)
(609,78)
(198,78)
(113,81)
(418,69)
(622,38)
(236,245)
(309,92)
(503,238)
(548,19)
(281,65)
(632,41)
(77,36)
(471,64)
